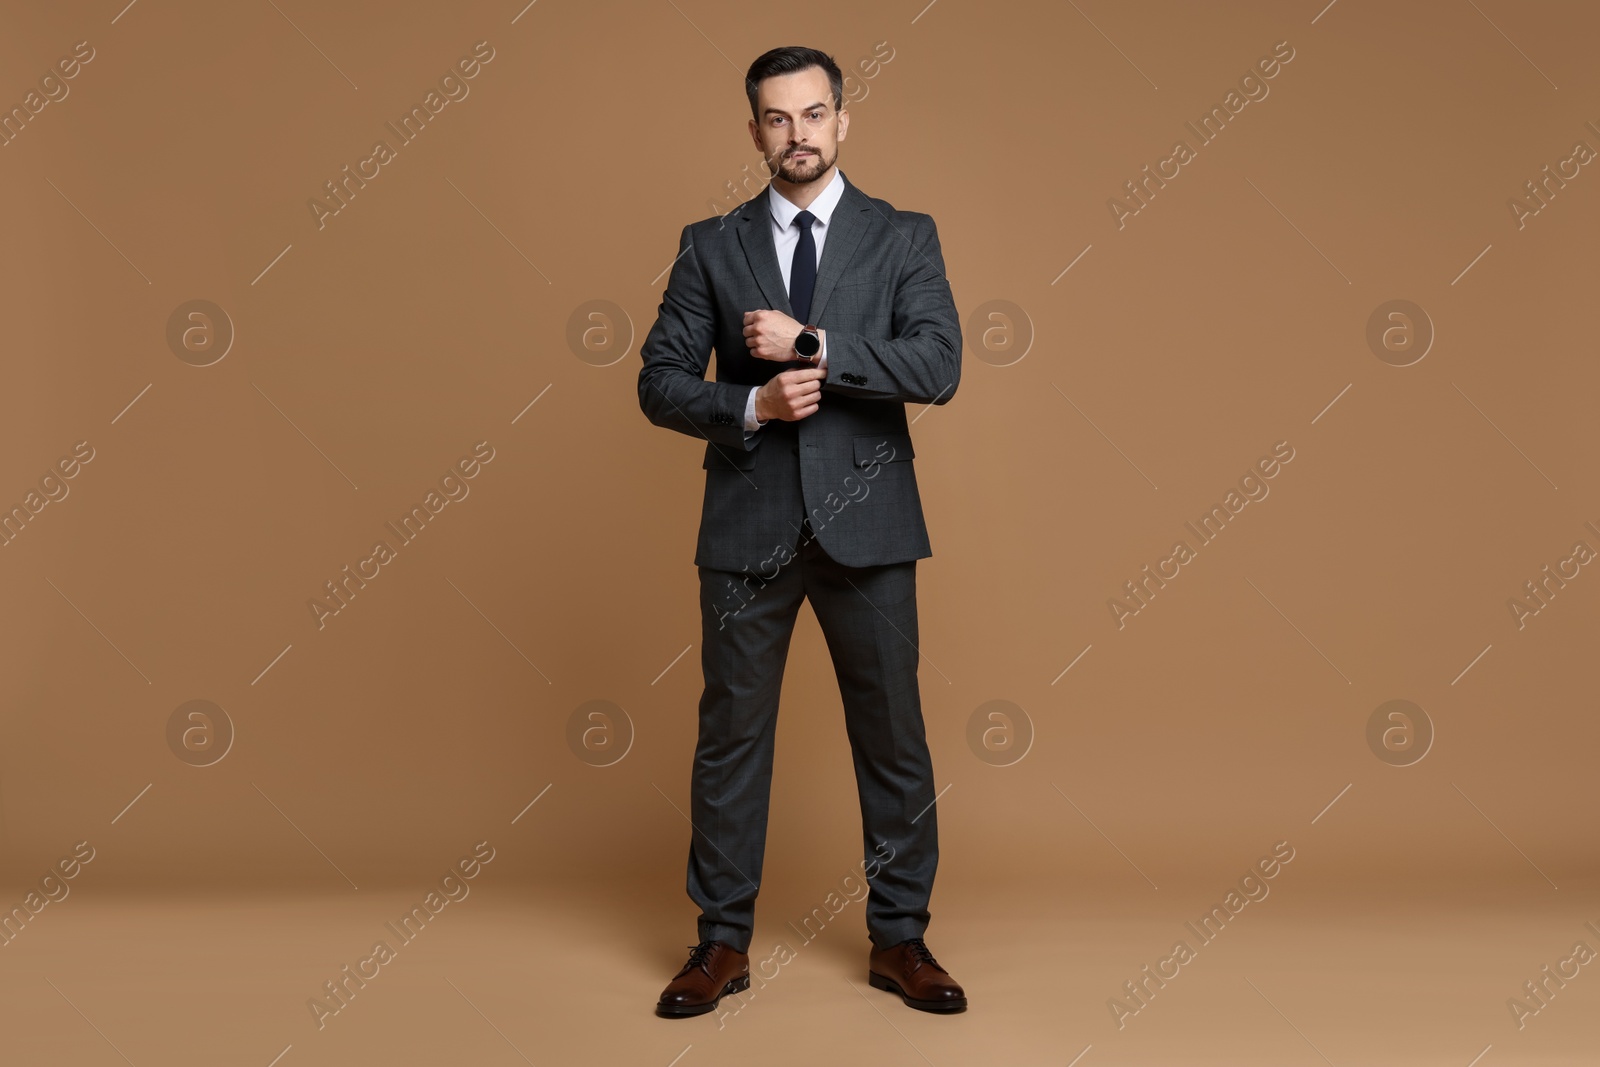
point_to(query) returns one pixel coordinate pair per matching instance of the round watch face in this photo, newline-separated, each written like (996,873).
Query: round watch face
(807,344)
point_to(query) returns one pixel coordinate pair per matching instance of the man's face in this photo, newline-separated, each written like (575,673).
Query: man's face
(799,131)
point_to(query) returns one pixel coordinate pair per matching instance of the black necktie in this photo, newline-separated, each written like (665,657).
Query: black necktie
(803,271)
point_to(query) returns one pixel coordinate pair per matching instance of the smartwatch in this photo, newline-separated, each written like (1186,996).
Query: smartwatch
(807,345)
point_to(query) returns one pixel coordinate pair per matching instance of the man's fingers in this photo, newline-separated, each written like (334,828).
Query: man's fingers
(799,391)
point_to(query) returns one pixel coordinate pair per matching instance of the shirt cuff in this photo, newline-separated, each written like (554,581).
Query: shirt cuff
(751,423)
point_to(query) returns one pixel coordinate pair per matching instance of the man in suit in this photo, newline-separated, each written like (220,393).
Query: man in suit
(829,310)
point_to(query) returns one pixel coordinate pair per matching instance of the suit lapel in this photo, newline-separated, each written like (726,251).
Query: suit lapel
(845,230)
(755,234)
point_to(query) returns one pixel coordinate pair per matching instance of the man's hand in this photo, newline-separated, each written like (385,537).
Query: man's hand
(790,395)
(771,334)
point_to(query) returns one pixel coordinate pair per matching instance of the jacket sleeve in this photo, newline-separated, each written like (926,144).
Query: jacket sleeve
(922,362)
(673,391)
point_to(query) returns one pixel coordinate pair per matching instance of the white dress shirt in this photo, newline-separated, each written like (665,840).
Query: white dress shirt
(785,236)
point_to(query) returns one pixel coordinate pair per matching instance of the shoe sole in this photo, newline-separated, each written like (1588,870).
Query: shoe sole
(878,981)
(677,1011)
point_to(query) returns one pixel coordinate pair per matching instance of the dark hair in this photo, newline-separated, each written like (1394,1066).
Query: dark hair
(788,60)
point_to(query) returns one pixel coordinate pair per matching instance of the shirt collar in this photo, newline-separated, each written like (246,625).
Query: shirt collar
(784,211)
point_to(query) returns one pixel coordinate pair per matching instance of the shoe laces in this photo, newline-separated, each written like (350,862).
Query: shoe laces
(700,955)
(917,949)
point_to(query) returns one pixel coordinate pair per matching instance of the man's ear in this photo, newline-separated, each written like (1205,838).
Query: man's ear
(844,125)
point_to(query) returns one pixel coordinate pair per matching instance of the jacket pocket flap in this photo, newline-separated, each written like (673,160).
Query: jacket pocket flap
(882,447)
(727,458)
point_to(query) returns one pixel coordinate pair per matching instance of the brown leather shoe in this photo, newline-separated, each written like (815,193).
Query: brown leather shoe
(714,970)
(910,970)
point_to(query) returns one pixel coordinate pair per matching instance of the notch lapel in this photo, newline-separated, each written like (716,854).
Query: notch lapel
(755,234)
(845,230)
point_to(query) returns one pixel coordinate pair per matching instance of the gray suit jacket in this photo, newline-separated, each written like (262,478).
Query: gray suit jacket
(893,336)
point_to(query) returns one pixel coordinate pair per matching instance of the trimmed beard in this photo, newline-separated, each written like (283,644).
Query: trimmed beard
(799,178)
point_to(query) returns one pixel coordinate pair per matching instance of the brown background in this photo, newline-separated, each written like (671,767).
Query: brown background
(1226,316)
